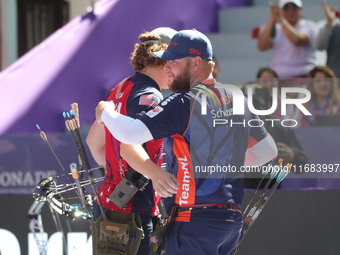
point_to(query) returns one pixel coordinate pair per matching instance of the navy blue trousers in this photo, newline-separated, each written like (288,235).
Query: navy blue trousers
(208,236)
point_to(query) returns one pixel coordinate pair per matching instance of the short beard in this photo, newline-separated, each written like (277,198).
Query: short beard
(182,81)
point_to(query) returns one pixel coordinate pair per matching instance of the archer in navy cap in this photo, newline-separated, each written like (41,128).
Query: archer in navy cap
(187,43)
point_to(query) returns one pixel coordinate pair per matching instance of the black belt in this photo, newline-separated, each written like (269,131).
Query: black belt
(217,206)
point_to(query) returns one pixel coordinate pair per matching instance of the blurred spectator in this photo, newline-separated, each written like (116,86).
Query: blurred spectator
(291,38)
(325,95)
(261,95)
(268,78)
(328,39)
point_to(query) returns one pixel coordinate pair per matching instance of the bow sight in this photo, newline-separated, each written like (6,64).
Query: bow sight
(48,191)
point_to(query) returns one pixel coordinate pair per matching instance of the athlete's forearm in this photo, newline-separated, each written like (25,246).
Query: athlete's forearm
(163,182)
(125,129)
(96,142)
(138,159)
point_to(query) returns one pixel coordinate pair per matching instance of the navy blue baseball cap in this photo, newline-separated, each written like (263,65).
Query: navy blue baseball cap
(187,43)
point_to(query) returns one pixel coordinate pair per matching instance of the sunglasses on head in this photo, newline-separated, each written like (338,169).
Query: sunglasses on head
(288,7)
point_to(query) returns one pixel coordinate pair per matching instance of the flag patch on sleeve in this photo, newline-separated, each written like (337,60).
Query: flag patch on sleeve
(148,100)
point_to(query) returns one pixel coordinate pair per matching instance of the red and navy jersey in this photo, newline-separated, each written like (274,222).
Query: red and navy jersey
(134,98)
(201,147)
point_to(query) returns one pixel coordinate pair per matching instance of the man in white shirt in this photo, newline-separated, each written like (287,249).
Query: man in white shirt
(291,39)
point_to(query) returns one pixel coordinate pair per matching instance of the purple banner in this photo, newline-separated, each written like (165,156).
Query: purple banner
(233,3)
(84,59)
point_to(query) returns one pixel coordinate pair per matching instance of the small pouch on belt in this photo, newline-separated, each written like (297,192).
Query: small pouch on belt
(120,234)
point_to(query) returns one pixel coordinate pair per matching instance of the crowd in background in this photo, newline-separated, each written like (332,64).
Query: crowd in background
(294,41)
